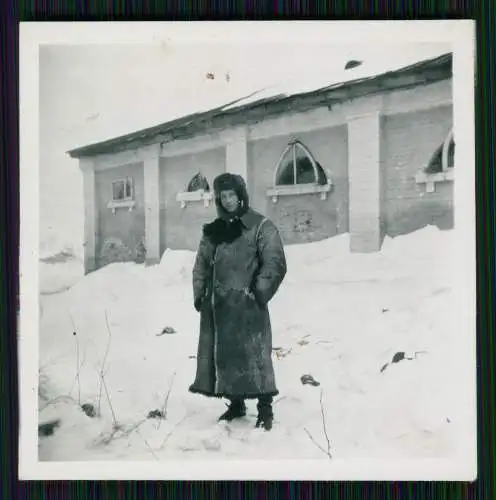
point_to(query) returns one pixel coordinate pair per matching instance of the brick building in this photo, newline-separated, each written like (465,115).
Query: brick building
(370,155)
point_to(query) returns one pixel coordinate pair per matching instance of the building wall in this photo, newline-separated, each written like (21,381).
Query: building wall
(180,228)
(125,226)
(303,218)
(365,178)
(408,142)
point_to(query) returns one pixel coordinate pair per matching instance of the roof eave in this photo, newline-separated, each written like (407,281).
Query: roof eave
(420,73)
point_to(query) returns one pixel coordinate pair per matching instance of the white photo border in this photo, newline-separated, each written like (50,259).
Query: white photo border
(459,33)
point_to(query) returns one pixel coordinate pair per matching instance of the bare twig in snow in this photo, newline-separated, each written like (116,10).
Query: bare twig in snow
(315,442)
(78,369)
(177,424)
(72,321)
(106,440)
(164,407)
(108,399)
(123,433)
(76,377)
(324,425)
(104,360)
(147,444)
(134,427)
(78,366)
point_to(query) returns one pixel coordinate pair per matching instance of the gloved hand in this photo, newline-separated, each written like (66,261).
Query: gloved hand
(198,303)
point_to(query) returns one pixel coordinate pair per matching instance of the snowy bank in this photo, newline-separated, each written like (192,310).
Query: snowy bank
(339,317)
(59,272)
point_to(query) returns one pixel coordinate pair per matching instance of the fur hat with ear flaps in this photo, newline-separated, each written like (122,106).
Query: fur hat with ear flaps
(227,227)
(225,182)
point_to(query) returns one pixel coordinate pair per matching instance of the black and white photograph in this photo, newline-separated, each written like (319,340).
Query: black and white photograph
(247,251)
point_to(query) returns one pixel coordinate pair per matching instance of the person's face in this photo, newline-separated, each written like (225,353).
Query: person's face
(229,200)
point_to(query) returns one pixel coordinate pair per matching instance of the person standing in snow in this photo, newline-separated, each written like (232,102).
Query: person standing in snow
(239,266)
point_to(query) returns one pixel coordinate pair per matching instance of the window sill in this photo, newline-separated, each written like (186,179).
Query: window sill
(430,180)
(195,196)
(129,204)
(298,190)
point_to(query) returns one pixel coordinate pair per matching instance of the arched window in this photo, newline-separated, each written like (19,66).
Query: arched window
(297,166)
(443,158)
(440,167)
(298,173)
(198,189)
(198,183)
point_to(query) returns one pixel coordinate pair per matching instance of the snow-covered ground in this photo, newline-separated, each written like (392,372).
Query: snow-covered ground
(339,317)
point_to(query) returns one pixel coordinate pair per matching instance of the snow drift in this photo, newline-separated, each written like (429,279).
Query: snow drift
(339,317)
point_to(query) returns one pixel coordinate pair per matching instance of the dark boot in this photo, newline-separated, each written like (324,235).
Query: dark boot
(265,414)
(236,409)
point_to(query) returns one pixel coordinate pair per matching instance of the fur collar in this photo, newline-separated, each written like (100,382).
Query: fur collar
(224,231)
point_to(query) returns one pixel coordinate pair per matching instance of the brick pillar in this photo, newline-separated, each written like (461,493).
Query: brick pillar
(364,176)
(151,166)
(87,168)
(237,154)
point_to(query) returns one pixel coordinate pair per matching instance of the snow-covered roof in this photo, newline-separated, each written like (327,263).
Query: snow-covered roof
(303,92)
(322,79)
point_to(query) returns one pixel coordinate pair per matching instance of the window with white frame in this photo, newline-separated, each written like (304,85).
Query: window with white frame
(198,189)
(297,172)
(198,183)
(122,194)
(122,190)
(441,165)
(443,159)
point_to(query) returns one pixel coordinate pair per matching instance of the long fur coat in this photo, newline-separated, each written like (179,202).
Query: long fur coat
(239,266)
